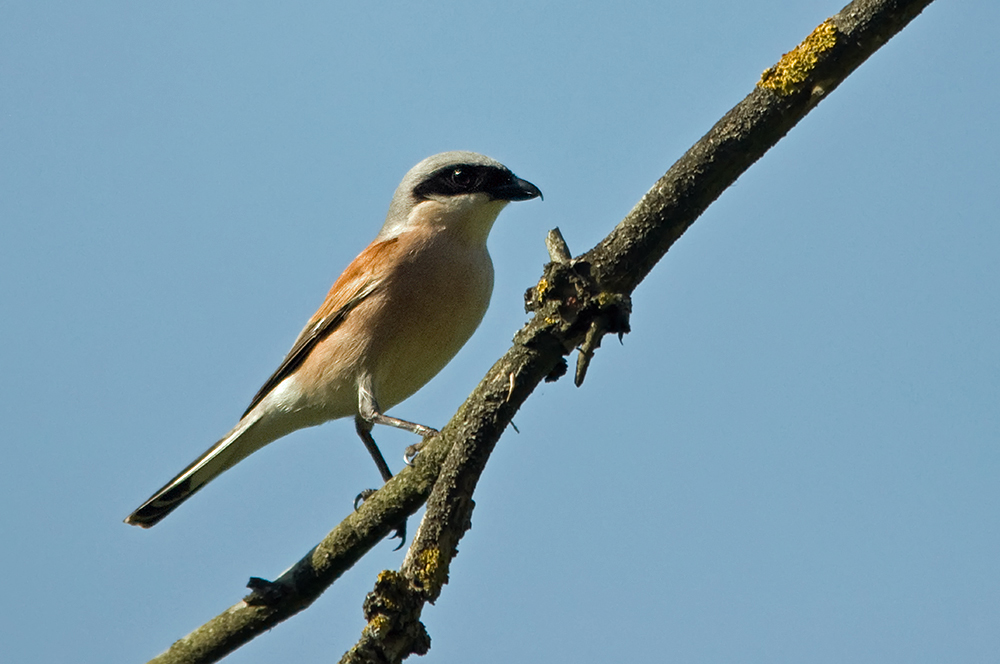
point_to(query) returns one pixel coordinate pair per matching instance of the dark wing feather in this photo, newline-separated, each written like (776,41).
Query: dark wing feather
(312,335)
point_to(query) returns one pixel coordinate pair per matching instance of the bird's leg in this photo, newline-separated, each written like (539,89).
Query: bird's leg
(369,414)
(376,417)
(364,429)
(369,410)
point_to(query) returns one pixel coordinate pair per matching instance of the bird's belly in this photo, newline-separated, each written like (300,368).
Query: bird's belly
(422,334)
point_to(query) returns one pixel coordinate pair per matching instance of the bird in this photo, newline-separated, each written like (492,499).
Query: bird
(394,318)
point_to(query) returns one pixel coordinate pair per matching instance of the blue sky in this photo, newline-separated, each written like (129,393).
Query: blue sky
(793,457)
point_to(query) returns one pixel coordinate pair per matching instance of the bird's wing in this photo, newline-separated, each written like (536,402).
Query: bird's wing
(351,288)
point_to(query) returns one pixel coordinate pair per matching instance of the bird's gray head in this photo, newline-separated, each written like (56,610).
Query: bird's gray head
(467,184)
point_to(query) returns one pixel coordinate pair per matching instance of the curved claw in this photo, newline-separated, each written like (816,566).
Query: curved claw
(362,497)
(399,532)
(411,452)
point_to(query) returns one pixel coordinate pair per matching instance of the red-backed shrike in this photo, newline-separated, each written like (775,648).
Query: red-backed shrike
(391,321)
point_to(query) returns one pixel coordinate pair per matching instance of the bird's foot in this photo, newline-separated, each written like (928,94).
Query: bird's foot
(398,532)
(411,452)
(362,497)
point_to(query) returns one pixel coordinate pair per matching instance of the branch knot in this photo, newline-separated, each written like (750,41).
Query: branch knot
(576,310)
(394,631)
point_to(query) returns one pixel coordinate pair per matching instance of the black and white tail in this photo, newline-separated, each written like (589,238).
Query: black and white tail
(235,446)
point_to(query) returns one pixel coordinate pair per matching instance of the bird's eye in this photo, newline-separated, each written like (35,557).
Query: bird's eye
(462,177)
(453,180)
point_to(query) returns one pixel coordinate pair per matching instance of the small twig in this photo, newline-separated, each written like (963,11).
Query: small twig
(586,350)
(558,249)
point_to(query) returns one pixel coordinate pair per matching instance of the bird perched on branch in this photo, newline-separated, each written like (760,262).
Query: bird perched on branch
(390,323)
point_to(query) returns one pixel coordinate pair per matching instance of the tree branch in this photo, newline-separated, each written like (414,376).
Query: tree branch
(575,303)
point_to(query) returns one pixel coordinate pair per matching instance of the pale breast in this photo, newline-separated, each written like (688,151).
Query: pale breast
(435,300)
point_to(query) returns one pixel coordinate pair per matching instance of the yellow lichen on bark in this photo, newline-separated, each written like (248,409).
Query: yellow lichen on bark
(542,288)
(794,68)
(379,626)
(429,560)
(428,570)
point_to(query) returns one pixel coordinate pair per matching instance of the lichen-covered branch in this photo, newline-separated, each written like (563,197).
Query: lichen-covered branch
(575,303)
(784,95)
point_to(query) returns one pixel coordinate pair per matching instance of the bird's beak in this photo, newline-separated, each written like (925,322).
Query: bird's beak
(516,190)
